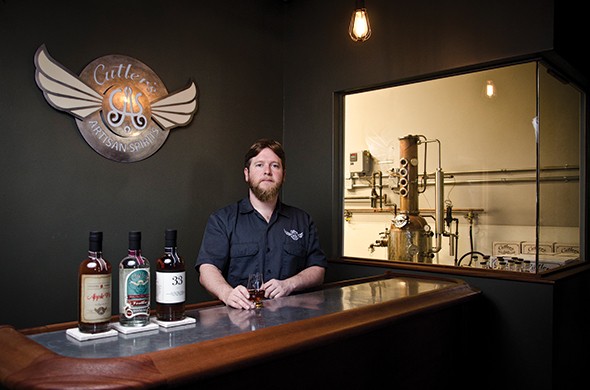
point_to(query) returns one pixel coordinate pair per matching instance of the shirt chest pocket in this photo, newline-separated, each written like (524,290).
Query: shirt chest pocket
(242,263)
(293,259)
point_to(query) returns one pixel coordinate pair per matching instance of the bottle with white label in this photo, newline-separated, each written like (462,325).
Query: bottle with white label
(134,285)
(95,288)
(170,281)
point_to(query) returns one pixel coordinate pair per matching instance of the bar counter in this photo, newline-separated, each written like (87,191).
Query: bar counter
(339,332)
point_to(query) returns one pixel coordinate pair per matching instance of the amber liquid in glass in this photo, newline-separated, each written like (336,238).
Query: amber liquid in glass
(256,296)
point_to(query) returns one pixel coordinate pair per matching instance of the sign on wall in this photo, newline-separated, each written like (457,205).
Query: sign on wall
(122,108)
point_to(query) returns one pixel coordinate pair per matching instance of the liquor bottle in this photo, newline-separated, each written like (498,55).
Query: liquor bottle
(134,285)
(170,281)
(94,289)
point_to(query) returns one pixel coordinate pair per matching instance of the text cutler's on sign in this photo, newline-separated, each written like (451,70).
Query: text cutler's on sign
(122,108)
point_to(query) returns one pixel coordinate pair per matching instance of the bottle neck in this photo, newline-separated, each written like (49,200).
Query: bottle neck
(171,252)
(97,257)
(134,252)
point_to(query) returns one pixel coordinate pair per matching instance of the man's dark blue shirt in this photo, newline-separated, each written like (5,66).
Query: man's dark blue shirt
(239,241)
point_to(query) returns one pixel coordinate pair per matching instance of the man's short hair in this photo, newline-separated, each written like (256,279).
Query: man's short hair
(262,144)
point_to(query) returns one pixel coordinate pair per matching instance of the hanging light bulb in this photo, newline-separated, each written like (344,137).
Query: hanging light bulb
(490,90)
(360,28)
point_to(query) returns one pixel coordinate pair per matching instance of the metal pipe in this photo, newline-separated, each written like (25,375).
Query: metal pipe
(519,170)
(438,209)
(488,172)
(512,180)
(374,185)
(515,170)
(451,245)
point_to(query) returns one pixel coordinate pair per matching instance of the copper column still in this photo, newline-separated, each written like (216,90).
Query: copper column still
(410,237)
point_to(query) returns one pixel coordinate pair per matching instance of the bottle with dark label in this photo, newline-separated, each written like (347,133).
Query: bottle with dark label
(170,281)
(134,285)
(95,289)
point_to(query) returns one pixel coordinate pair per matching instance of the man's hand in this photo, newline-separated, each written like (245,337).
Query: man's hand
(213,281)
(309,277)
(277,288)
(238,298)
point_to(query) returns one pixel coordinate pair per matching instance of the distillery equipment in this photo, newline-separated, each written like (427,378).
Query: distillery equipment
(410,237)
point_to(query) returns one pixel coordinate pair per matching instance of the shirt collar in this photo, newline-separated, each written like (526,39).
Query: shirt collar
(245,207)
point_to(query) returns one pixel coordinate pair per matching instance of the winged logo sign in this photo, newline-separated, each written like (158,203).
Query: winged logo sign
(121,107)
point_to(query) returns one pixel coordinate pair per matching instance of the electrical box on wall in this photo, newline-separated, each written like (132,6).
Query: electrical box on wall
(361,163)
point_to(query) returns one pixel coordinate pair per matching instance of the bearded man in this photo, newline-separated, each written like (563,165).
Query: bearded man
(260,234)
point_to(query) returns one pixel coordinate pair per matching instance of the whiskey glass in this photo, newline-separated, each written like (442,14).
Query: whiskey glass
(255,289)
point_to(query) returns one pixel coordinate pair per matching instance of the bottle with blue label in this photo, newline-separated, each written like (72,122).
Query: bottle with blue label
(134,285)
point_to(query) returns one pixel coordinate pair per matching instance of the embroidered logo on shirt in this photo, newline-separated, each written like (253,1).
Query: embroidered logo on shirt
(293,234)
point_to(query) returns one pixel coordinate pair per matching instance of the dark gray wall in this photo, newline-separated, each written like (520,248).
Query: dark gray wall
(55,188)
(263,68)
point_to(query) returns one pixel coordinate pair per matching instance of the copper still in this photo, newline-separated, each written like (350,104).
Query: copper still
(409,237)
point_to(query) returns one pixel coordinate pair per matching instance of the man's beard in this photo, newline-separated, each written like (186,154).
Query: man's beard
(265,195)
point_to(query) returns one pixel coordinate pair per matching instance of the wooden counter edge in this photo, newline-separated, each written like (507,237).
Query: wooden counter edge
(26,364)
(229,353)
